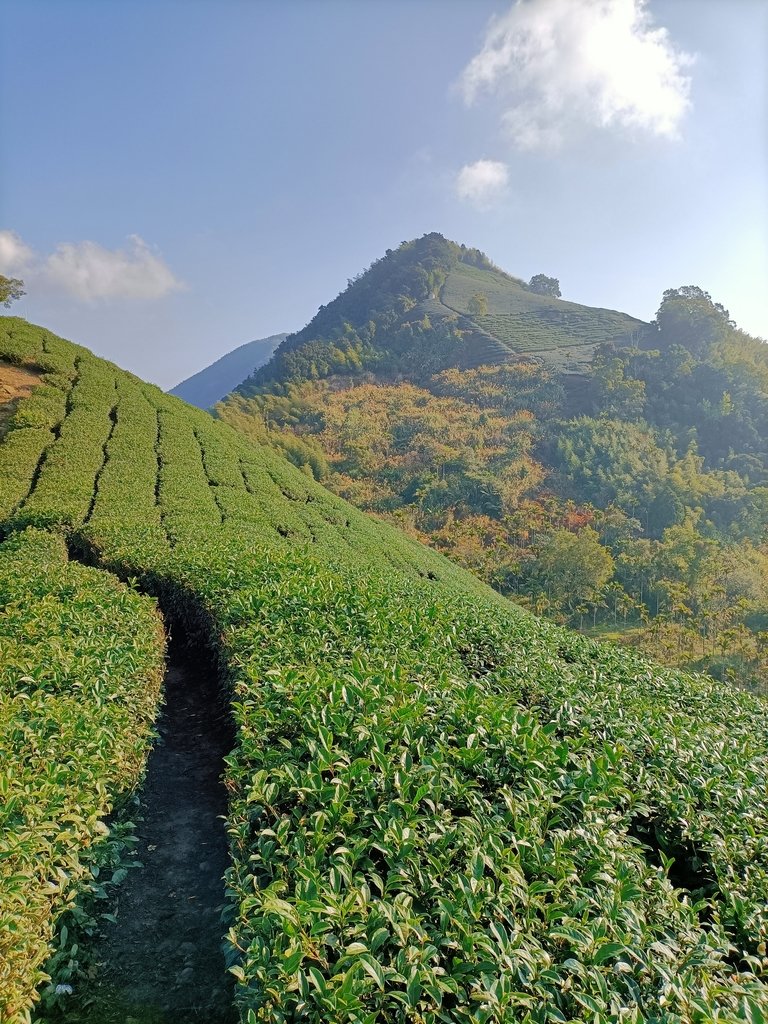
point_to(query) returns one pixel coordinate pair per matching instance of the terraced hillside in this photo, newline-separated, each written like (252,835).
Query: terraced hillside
(559,333)
(442,809)
(432,304)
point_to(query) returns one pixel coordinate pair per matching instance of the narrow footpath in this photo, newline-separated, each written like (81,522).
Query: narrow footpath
(160,962)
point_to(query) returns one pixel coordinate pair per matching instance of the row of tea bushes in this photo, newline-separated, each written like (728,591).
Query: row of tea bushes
(442,809)
(81,662)
(430,820)
(34,426)
(186,502)
(125,491)
(452,811)
(64,488)
(24,344)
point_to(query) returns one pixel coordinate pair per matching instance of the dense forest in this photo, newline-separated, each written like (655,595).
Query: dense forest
(608,473)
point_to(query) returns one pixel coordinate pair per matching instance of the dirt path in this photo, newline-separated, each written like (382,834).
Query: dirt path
(160,962)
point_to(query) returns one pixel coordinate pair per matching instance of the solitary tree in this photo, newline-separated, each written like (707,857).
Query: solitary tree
(543,285)
(573,568)
(10,288)
(687,316)
(478,304)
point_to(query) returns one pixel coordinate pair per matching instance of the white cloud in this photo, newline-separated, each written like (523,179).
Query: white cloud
(482,182)
(15,255)
(88,271)
(563,64)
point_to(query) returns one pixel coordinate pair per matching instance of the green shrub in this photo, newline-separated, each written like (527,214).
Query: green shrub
(80,672)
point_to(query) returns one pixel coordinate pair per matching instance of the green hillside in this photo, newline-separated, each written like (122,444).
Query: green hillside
(441,808)
(609,473)
(539,326)
(432,304)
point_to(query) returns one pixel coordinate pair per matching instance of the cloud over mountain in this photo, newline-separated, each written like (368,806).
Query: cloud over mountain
(561,65)
(482,182)
(89,271)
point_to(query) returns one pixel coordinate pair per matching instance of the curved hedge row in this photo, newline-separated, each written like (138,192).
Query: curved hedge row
(81,662)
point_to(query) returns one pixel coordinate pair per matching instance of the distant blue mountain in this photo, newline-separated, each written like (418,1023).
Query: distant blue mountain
(207,387)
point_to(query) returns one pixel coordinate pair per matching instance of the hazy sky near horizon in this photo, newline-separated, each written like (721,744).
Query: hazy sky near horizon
(178,177)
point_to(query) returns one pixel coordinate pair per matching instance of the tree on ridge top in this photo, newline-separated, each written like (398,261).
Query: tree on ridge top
(11,288)
(540,284)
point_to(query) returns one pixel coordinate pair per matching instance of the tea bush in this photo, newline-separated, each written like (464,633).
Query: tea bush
(81,659)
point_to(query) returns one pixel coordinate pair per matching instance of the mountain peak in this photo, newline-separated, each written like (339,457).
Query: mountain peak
(432,303)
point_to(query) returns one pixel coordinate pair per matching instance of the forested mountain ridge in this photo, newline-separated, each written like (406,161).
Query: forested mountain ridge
(610,473)
(432,304)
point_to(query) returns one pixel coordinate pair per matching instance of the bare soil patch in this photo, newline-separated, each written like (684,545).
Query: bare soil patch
(15,384)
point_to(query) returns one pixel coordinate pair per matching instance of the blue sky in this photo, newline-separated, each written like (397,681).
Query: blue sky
(178,177)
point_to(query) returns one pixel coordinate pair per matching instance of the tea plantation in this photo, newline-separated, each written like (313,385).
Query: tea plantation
(442,809)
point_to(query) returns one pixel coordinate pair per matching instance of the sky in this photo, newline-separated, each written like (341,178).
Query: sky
(178,177)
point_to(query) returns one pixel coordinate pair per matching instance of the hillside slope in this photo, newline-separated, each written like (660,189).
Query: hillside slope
(212,383)
(432,304)
(609,473)
(442,809)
